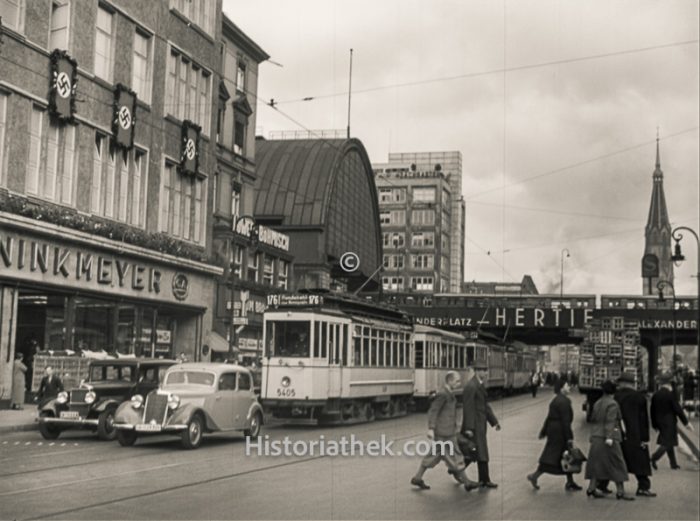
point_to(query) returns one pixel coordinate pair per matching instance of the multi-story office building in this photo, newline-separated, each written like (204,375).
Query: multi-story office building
(415,211)
(107,151)
(448,168)
(256,258)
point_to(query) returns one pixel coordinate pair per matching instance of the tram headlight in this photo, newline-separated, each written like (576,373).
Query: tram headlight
(286,381)
(137,401)
(62,397)
(90,397)
(173,401)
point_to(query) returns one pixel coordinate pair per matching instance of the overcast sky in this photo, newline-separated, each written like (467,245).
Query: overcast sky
(587,121)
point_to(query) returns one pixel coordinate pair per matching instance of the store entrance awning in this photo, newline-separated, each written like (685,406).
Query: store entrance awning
(217,343)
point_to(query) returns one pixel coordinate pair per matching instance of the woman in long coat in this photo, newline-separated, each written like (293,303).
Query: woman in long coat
(18,383)
(605,458)
(560,437)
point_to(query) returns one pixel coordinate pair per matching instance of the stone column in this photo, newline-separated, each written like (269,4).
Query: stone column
(8,328)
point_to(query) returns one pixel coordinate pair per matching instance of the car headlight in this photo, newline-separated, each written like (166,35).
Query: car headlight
(62,397)
(173,401)
(90,397)
(286,381)
(136,401)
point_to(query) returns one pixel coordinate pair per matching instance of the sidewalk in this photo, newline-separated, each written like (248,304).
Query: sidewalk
(13,421)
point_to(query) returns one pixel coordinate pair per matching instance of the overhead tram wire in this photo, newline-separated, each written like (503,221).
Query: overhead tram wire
(557,212)
(491,71)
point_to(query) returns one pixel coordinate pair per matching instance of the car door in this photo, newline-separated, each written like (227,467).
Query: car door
(243,400)
(224,398)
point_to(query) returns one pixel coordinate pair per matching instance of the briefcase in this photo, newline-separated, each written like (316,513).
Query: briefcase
(467,447)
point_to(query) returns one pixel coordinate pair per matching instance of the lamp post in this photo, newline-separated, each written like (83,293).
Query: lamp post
(561,304)
(244,225)
(679,257)
(661,285)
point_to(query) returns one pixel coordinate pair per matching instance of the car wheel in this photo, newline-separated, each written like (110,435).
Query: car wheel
(126,438)
(255,425)
(105,425)
(192,435)
(48,431)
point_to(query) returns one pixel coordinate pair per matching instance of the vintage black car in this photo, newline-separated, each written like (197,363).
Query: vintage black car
(92,405)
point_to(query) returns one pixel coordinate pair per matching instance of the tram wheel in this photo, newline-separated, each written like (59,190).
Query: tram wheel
(348,412)
(368,412)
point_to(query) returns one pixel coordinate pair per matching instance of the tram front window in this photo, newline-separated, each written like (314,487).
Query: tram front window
(289,338)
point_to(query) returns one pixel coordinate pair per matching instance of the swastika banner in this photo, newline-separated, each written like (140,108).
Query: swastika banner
(62,86)
(189,155)
(124,116)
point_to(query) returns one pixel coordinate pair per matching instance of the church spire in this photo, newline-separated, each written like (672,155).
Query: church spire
(658,213)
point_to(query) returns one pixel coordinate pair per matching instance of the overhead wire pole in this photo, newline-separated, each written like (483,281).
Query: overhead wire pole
(349,93)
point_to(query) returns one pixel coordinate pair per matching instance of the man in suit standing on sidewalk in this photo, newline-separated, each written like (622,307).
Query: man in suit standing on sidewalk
(442,427)
(665,413)
(477,412)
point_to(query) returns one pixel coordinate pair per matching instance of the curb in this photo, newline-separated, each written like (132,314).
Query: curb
(691,440)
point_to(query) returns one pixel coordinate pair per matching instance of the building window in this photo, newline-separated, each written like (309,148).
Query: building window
(237,260)
(393,217)
(393,261)
(253,264)
(240,76)
(422,261)
(424,195)
(445,244)
(141,66)
(181,202)
(423,217)
(423,240)
(118,188)
(3,118)
(103,44)
(385,195)
(422,283)
(60,23)
(268,270)
(235,204)
(282,273)
(393,240)
(11,12)
(187,93)
(198,11)
(239,131)
(51,174)
(445,220)
(399,195)
(392,283)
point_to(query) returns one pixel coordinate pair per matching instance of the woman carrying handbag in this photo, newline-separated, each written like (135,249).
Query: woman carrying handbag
(560,438)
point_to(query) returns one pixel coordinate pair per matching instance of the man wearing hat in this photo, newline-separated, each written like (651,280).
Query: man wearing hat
(665,412)
(635,441)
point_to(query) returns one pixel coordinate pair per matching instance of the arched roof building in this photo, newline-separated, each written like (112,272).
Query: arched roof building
(321,193)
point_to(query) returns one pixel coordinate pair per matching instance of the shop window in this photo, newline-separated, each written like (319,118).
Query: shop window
(282,273)
(181,204)
(94,324)
(12,12)
(268,270)
(60,23)
(52,163)
(103,44)
(253,265)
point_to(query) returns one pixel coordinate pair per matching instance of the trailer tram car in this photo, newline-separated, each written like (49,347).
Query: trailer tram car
(336,359)
(437,352)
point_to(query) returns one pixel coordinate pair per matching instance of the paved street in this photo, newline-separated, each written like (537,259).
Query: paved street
(77,477)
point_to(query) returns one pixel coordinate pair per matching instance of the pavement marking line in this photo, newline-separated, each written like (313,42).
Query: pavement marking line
(52,444)
(16,443)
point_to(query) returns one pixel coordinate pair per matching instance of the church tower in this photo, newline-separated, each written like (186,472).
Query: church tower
(657,233)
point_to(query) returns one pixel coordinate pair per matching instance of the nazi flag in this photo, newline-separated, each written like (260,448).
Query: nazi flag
(124,116)
(189,154)
(62,85)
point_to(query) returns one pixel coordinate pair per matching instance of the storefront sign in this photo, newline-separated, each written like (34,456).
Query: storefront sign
(163,336)
(668,324)
(62,85)
(28,258)
(189,154)
(509,317)
(294,300)
(273,238)
(412,174)
(124,116)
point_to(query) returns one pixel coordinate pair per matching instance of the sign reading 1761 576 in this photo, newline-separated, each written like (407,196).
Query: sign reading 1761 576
(294,300)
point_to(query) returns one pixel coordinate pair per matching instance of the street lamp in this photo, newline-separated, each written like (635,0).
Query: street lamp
(561,304)
(660,286)
(679,257)
(247,226)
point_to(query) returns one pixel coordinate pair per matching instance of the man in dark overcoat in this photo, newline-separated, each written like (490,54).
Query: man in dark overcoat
(665,413)
(476,413)
(635,439)
(49,387)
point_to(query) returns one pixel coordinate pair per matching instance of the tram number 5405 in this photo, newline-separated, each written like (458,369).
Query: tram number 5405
(285,393)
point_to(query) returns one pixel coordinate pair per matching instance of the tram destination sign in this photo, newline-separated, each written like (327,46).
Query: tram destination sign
(294,300)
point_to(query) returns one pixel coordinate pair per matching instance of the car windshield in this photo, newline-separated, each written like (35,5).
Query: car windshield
(111,373)
(190,378)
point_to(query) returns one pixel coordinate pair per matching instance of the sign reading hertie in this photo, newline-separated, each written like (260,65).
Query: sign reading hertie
(349,262)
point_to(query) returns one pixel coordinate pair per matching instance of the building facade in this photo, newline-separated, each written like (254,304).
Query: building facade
(450,164)
(656,263)
(417,223)
(524,287)
(107,150)
(256,259)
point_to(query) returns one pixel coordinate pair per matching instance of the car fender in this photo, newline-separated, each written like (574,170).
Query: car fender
(49,409)
(105,404)
(183,414)
(127,414)
(255,407)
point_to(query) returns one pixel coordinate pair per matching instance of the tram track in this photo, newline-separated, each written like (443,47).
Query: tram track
(233,475)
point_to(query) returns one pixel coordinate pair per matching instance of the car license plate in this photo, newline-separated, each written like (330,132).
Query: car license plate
(70,415)
(148,427)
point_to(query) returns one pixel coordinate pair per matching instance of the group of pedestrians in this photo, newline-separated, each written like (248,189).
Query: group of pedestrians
(442,427)
(49,387)
(619,440)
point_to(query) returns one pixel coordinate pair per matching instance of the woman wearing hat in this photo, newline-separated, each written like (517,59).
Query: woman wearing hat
(560,437)
(605,459)
(665,412)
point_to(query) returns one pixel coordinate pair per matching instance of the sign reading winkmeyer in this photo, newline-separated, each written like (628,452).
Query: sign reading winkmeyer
(47,261)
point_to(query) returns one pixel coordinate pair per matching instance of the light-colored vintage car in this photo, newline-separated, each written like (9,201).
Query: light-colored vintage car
(193,399)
